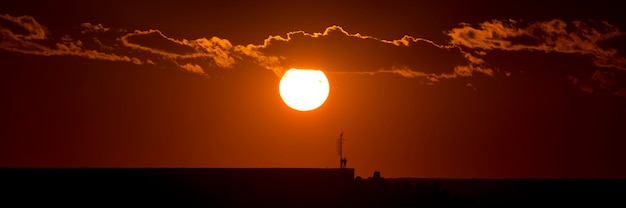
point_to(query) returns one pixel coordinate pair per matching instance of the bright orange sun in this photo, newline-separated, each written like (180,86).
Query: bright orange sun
(304,89)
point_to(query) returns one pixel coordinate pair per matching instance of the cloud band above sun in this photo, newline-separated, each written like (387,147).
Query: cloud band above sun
(584,38)
(466,53)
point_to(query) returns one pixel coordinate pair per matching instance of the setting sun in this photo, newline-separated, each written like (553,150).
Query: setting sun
(304,89)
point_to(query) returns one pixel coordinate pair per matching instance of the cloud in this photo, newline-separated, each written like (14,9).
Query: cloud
(91,28)
(193,68)
(156,43)
(24,34)
(459,71)
(356,49)
(470,85)
(152,46)
(266,61)
(31,28)
(584,38)
(588,38)
(335,50)
(33,36)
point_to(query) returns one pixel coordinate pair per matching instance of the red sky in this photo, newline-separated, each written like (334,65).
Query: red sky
(459,89)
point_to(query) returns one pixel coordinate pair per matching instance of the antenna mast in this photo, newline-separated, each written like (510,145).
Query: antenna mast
(340,150)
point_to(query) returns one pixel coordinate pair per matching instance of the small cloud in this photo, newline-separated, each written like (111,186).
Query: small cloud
(153,41)
(620,93)
(405,72)
(586,88)
(195,68)
(573,80)
(604,80)
(218,49)
(600,81)
(266,61)
(91,28)
(31,29)
(470,85)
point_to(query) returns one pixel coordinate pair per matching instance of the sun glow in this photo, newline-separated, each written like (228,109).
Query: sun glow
(304,89)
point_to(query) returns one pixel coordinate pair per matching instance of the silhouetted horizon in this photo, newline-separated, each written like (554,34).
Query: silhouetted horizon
(301,187)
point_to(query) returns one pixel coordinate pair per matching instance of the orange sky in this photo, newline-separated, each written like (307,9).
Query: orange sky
(449,89)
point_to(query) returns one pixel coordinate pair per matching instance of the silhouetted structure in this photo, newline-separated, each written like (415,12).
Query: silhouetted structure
(289,187)
(342,160)
(377,191)
(176,187)
(377,175)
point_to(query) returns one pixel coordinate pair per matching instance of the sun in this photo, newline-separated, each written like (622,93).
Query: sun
(304,89)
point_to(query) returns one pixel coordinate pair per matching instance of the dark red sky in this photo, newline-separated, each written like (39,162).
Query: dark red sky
(475,89)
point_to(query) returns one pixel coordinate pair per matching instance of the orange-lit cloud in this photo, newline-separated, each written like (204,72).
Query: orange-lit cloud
(578,37)
(91,28)
(555,36)
(466,63)
(32,29)
(154,47)
(32,40)
(473,64)
(350,53)
(193,68)
(214,48)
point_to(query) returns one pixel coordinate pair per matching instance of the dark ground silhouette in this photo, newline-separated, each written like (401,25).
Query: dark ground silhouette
(419,192)
(298,187)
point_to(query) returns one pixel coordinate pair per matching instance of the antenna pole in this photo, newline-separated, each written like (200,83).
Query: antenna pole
(340,150)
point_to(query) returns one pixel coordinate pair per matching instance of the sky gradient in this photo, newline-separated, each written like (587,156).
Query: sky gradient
(458,89)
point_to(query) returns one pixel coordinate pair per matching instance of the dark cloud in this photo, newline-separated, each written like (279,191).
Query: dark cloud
(549,36)
(580,38)
(338,51)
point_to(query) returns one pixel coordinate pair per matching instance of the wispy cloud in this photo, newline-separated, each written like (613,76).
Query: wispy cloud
(32,39)
(459,71)
(587,38)
(217,49)
(578,37)
(193,68)
(31,28)
(91,28)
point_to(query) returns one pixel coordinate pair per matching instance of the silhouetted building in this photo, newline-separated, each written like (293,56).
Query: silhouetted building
(178,187)
(377,175)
